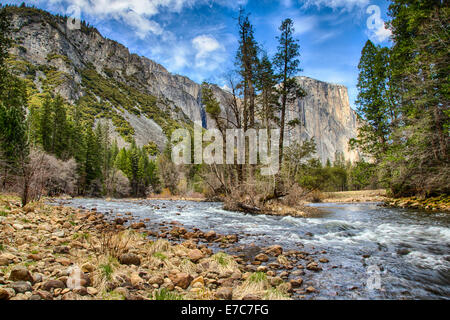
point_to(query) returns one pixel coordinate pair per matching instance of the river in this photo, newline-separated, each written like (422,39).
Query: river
(374,252)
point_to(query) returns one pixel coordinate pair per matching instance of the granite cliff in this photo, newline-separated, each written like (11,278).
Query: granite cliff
(139,97)
(325,115)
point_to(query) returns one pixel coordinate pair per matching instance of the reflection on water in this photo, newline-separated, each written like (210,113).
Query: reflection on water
(409,250)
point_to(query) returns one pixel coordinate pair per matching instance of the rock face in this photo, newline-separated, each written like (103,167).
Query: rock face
(325,115)
(44,41)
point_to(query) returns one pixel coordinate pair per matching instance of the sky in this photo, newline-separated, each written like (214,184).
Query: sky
(199,38)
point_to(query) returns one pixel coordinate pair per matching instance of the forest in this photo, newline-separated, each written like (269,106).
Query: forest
(50,148)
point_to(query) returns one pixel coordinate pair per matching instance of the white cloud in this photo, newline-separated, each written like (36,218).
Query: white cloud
(379,34)
(136,13)
(204,45)
(337,4)
(141,25)
(304,24)
(209,52)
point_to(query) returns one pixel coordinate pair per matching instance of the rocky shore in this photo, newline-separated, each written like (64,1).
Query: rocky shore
(61,253)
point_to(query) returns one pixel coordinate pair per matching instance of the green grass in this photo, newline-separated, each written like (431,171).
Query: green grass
(164,294)
(111,295)
(84,236)
(107,270)
(258,277)
(160,256)
(2,248)
(3,214)
(222,258)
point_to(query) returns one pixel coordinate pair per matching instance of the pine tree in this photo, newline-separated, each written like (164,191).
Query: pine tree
(247,61)
(420,72)
(14,146)
(46,121)
(266,82)
(287,65)
(60,134)
(373,104)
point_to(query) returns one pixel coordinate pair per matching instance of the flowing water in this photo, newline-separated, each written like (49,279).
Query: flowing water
(374,252)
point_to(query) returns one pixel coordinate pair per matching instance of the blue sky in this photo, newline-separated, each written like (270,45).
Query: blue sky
(198,38)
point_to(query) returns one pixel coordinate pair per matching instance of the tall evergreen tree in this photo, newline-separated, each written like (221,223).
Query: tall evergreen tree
(287,64)
(266,82)
(420,71)
(247,61)
(373,102)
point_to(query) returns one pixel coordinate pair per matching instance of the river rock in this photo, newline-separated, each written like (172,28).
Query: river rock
(53,284)
(87,267)
(159,280)
(5,294)
(313,266)
(262,257)
(195,255)
(224,293)
(275,281)
(182,280)
(136,280)
(310,289)
(6,259)
(198,281)
(274,250)
(296,283)
(61,250)
(21,286)
(20,273)
(129,259)
(138,225)
(92,291)
(211,235)
(82,291)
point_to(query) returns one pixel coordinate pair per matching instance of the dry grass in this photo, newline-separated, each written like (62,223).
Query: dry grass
(355,196)
(258,284)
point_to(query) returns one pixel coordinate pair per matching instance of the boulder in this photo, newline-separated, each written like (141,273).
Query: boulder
(296,283)
(310,290)
(136,280)
(129,259)
(195,255)
(224,293)
(198,282)
(159,280)
(313,266)
(262,257)
(20,273)
(138,225)
(5,294)
(274,250)
(181,279)
(21,286)
(53,284)
(211,235)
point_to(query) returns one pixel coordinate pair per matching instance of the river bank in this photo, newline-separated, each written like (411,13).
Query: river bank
(434,204)
(354,196)
(62,253)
